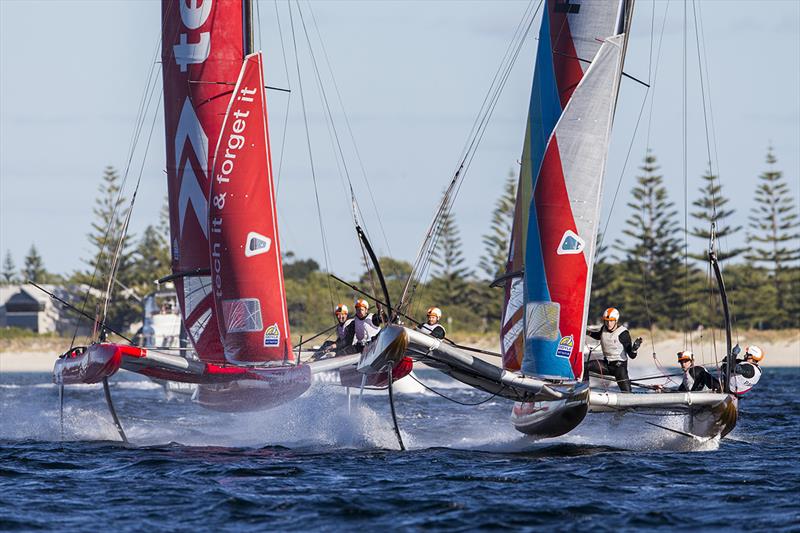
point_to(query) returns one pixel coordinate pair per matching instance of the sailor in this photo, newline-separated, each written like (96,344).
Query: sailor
(615,341)
(746,373)
(695,377)
(341,313)
(362,328)
(433,327)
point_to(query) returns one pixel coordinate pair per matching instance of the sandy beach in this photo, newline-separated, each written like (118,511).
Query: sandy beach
(782,349)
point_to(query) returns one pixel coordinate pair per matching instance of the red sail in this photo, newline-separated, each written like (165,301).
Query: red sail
(246,271)
(202,51)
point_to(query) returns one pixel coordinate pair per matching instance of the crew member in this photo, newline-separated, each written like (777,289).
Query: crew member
(433,327)
(362,328)
(615,341)
(695,377)
(746,373)
(341,313)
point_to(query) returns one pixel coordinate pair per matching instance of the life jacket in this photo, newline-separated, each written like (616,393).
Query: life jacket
(740,384)
(364,329)
(427,329)
(612,347)
(340,333)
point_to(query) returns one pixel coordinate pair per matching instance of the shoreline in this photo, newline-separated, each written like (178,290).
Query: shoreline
(781,348)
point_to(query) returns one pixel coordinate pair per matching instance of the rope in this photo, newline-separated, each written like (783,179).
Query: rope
(412,376)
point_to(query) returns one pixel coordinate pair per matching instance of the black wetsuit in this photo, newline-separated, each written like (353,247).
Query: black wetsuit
(698,378)
(616,368)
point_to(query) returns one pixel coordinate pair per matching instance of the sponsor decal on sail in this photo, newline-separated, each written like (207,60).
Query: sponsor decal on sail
(565,347)
(272,335)
(571,243)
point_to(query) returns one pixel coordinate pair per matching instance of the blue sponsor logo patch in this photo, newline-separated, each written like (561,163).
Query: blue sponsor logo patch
(272,335)
(565,346)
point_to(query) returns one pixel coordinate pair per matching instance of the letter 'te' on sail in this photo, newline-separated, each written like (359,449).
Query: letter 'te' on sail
(246,269)
(575,86)
(202,48)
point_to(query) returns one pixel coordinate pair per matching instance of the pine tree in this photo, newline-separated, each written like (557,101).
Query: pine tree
(450,273)
(110,212)
(651,287)
(606,282)
(151,260)
(34,267)
(9,272)
(774,234)
(711,208)
(496,243)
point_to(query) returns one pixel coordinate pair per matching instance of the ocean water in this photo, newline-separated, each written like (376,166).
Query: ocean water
(315,464)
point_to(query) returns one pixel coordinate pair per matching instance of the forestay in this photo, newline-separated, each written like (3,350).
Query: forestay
(575,85)
(246,270)
(202,51)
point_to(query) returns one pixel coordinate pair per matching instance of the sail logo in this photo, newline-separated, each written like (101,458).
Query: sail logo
(256,244)
(571,243)
(272,335)
(565,347)
(193,16)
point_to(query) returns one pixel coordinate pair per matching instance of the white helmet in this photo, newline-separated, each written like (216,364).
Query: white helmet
(612,313)
(754,352)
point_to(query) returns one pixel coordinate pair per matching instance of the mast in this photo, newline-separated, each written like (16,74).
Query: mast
(247,27)
(723,294)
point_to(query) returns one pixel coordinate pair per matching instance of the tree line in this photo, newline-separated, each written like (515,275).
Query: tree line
(647,268)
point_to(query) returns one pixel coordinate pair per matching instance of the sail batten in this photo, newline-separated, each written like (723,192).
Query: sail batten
(576,80)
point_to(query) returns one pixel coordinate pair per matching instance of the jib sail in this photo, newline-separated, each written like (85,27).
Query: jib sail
(246,270)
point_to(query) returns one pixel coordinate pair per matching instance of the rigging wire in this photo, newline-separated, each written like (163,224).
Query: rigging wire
(350,130)
(451,399)
(687,335)
(428,245)
(341,162)
(288,101)
(147,94)
(311,157)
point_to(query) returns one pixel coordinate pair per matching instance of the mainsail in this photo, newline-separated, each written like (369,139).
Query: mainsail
(246,270)
(548,275)
(202,51)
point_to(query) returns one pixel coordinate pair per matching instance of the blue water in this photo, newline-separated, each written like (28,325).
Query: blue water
(312,465)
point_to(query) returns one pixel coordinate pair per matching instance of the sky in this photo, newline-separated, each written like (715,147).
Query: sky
(412,76)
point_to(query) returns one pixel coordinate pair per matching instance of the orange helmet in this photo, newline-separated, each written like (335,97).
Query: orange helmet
(612,313)
(434,311)
(686,355)
(340,309)
(361,302)
(754,352)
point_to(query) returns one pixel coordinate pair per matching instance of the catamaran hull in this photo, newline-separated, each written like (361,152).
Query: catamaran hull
(704,414)
(269,388)
(552,418)
(91,364)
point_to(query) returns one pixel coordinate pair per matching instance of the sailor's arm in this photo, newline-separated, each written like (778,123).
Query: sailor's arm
(349,334)
(438,332)
(744,369)
(377,320)
(628,345)
(596,335)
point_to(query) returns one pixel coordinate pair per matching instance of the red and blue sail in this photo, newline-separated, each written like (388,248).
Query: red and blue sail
(575,85)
